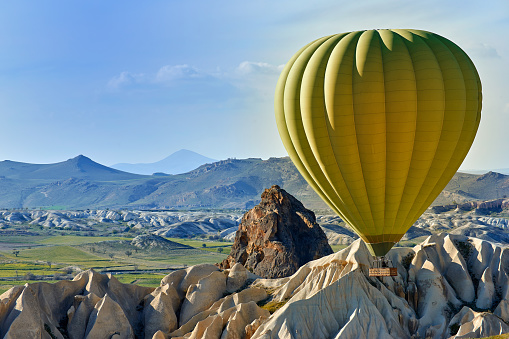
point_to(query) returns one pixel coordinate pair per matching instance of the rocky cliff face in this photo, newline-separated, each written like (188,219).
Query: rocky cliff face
(277,236)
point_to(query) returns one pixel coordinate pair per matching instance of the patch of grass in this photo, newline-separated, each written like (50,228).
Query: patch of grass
(337,248)
(7,285)
(412,242)
(22,272)
(197,243)
(152,257)
(101,253)
(75,240)
(272,306)
(143,279)
(226,249)
(63,254)
(24,239)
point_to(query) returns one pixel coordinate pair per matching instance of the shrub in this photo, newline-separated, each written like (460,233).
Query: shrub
(454,328)
(29,276)
(465,248)
(67,270)
(407,260)
(272,306)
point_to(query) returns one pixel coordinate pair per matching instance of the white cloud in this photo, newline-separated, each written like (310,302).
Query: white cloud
(125,78)
(258,76)
(165,75)
(250,67)
(483,50)
(170,73)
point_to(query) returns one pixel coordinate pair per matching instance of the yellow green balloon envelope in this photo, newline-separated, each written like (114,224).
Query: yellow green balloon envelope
(378,122)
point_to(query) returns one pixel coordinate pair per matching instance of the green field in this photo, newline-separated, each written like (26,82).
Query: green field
(143,279)
(210,246)
(337,248)
(49,256)
(75,240)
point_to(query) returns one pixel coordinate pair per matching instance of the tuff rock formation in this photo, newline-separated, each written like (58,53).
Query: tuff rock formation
(98,306)
(449,286)
(277,236)
(438,283)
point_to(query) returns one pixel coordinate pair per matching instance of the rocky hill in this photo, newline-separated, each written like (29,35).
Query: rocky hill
(447,286)
(81,183)
(277,236)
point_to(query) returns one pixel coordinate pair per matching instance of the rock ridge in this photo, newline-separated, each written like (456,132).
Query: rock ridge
(277,236)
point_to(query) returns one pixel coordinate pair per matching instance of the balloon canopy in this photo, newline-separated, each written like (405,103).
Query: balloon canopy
(378,122)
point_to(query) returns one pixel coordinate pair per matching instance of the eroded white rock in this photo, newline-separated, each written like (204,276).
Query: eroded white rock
(202,295)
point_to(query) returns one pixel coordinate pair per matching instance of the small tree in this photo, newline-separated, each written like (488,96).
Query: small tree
(29,276)
(203,245)
(128,253)
(220,250)
(15,252)
(49,264)
(111,255)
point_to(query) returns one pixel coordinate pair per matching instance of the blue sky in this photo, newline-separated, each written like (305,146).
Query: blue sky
(132,81)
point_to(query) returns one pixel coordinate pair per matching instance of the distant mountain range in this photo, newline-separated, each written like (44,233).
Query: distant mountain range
(498,170)
(79,167)
(179,162)
(81,183)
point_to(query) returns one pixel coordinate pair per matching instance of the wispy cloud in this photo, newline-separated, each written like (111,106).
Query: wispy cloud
(166,75)
(170,73)
(250,67)
(125,78)
(483,50)
(246,74)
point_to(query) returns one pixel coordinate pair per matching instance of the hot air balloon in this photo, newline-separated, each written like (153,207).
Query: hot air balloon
(378,122)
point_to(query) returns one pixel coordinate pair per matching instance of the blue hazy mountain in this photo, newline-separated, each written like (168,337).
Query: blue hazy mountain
(80,183)
(179,162)
(79,167)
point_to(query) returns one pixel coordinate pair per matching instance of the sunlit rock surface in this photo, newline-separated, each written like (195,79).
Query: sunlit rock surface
(449,286)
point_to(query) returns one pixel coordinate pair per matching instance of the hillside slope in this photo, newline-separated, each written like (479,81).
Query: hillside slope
(81,183)
(79,167)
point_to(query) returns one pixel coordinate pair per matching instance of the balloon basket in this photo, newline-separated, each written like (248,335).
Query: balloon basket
(382,267)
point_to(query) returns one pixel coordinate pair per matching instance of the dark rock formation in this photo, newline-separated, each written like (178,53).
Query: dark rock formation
(277,236)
